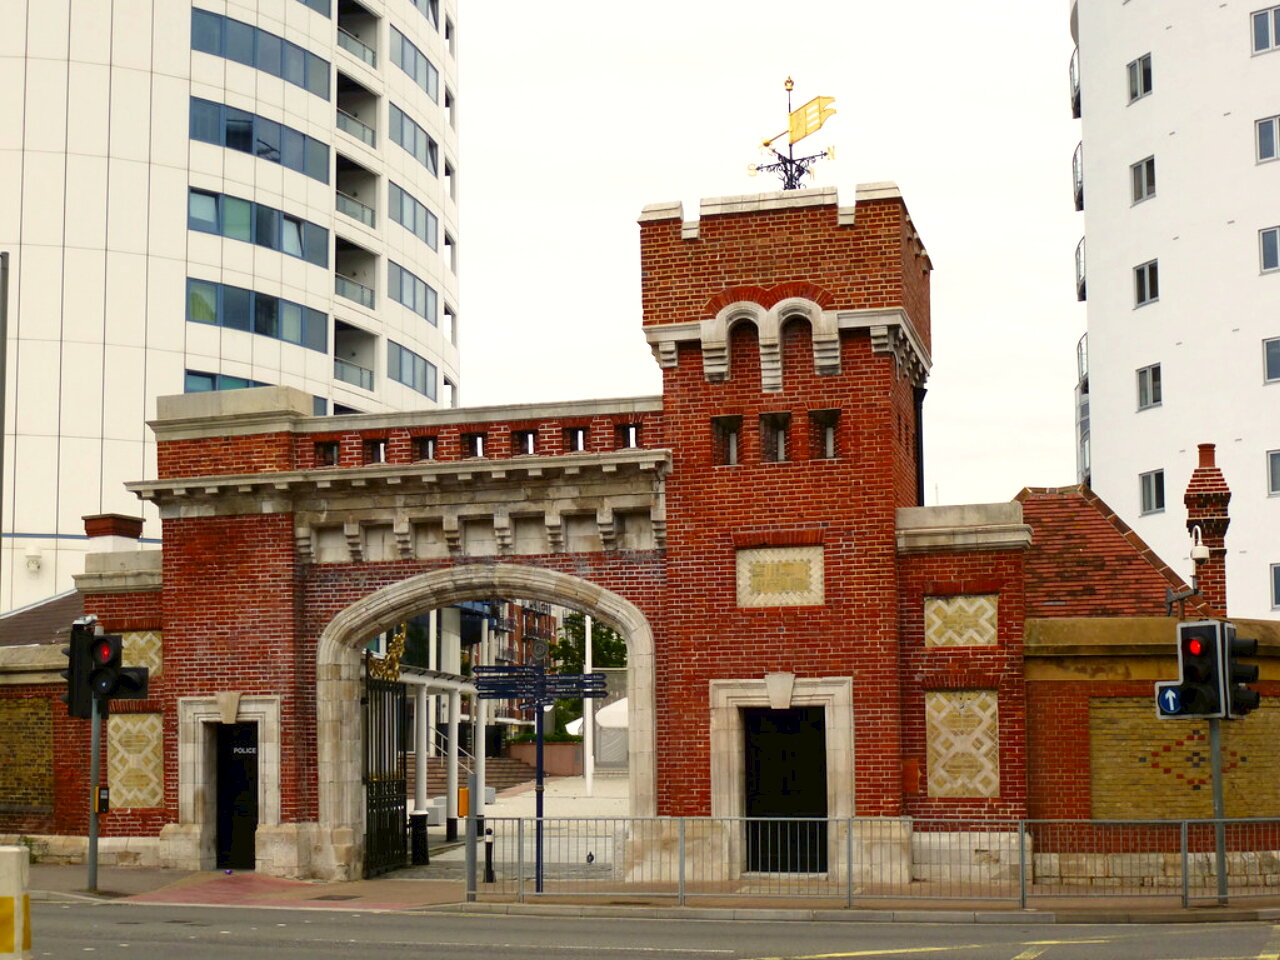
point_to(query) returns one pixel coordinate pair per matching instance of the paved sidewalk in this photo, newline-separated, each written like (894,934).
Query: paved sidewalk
(567,797)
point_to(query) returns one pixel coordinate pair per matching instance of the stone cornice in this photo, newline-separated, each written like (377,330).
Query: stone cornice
(284,485)
(173,425)
(959,529)
(34,663)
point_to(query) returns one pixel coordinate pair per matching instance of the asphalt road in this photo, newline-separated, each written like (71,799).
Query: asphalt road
(118,930)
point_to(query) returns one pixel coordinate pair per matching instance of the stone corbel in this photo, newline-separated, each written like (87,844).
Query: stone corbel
(403,531)
(302,544)
(607,525)
(503,534)
(355,545)
(555,533)
(452,533)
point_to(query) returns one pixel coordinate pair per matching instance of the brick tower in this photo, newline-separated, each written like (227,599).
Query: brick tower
(793,335)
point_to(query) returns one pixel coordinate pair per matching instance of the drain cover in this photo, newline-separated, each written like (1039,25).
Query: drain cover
(336,896)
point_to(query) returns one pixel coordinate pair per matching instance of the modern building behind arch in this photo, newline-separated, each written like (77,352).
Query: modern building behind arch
(1178,175)
(210,195)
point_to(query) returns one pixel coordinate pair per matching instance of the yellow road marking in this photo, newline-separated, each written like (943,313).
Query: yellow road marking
(1031,954)
(1272,950)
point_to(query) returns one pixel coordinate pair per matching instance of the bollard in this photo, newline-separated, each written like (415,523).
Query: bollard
(488,855)
(15,904)
(420,852)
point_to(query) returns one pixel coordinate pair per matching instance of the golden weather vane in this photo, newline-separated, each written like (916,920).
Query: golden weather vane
(801,122)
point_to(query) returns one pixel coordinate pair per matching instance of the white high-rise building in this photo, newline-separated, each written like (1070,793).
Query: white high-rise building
(204,195)
(1178,175)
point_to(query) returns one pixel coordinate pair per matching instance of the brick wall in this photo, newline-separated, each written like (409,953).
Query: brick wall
(26,764)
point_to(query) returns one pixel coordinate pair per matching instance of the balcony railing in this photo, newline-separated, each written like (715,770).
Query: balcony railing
(1075,83)
(357,47)
(361,131)
(355,209)
(346,287)
(1080,284)
(353,374)
(1077,175)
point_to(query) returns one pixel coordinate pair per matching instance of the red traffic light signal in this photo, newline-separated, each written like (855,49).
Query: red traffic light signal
(104,655)
(1200,689)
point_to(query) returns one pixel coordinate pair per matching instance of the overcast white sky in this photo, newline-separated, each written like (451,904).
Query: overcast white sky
(574,114)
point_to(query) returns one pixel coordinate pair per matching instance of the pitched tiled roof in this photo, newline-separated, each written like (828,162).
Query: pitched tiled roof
(48,621)
(1085,561)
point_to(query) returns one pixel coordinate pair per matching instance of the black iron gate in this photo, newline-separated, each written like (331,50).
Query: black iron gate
(386,723)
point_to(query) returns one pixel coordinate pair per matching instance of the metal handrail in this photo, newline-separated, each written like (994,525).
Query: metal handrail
(357,128)
(353,290)
(352,44)
(355,209)
(352,373)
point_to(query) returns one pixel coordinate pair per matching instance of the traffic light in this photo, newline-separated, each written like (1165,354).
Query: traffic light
(78,698)
(1200,669)
(1240,699)
(105,651)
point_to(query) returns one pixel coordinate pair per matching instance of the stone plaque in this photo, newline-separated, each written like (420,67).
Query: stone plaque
(780,577)
(963,621)
(963,731)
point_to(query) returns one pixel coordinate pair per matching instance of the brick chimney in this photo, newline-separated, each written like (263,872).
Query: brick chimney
(1206,499)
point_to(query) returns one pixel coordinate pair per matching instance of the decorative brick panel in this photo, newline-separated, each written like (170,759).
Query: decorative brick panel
(26,754)
(961,621)
(964,743)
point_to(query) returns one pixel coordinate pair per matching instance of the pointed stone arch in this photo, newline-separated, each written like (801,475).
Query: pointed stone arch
(338,747)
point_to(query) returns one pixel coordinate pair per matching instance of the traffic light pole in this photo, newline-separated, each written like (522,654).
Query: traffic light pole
(1219,809)
(95,741)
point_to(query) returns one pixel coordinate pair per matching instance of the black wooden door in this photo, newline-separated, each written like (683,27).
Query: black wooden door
(786,789)
(237,794)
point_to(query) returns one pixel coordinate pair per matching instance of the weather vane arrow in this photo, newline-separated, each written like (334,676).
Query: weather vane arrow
(801,122)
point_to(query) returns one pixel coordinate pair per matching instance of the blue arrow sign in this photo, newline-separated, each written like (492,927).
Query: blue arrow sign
(1169,700)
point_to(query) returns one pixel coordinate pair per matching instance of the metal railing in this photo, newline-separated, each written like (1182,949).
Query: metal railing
(1081,287)
(346,287)
(1077,175)
(357,129)
(352,373)
(355,209)
(1074,71)
(354,45)
(868,859)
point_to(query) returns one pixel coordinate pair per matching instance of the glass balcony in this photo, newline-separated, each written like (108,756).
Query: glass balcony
(1075,83)
(346,287)
(353,45)
(353,374)
(355,209)
(1080,284)
(349,124)
(1077,175)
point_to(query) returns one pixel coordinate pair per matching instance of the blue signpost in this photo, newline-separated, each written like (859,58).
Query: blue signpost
(531,683)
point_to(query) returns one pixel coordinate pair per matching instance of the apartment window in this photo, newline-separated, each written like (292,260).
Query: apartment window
(327,453)
(1271,360)
(1273,472)
(822,434)
(1275,585)
(626,435)
(197,381)
(424,448)
(413,62)
(1266,29)
(240,309)
(1266,137)
(319,6)
(412,215)
(429,9)
(1146,283)
(245,43)
(257,223)
(1143,175)
(234,129)
(375,451)
(575,439)
(773,437)
(473,444)
(405,366)
(726,434)
(1269,248)
(524,442)
(1152,490)
(405,288)
(414,139)
(1149,393)
(1139,77)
